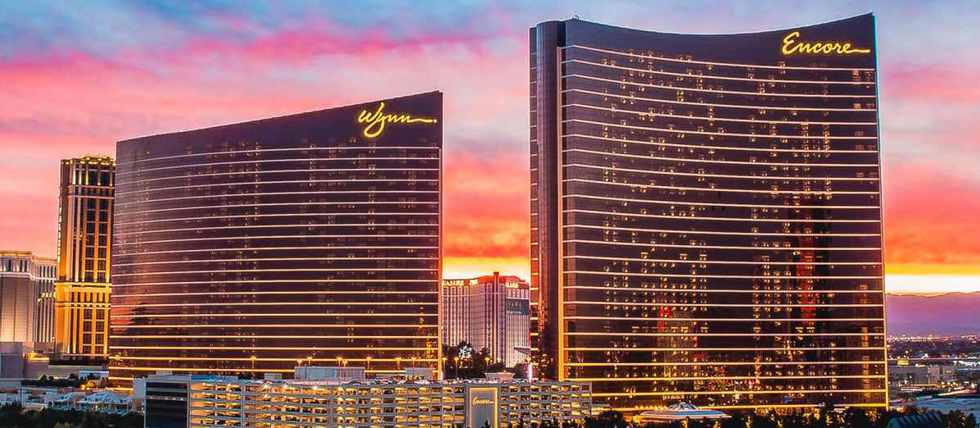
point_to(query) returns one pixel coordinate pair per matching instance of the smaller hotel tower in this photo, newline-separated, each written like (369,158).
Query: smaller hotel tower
(84,237)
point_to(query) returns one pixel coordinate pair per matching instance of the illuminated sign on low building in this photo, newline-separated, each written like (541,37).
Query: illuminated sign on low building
(792,46)
(481,407)
(375,122)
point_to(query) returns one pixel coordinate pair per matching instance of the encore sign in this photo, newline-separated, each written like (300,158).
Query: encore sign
(375,122)
(792,46)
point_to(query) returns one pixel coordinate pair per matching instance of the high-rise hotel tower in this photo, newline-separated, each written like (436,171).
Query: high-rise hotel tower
(310,239)
(706,215)
(81,303)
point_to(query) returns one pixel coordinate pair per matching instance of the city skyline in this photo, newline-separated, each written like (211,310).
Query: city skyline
(76,89)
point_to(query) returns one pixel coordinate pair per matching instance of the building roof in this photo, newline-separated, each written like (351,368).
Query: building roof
(922,420)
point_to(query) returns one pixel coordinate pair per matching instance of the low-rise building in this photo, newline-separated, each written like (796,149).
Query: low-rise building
(227,401)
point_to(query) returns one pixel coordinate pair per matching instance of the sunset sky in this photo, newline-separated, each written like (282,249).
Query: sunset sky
(77,76)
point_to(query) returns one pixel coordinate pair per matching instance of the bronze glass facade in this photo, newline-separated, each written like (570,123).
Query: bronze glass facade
(305,239)
(706,215)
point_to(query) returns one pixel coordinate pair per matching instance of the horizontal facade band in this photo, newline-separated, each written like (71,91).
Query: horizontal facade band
(307,181)
(709,147)
(307,193)
(723,247)
(717,119)
(670,275)
(706,76)
(356,247)
(711,232)
(723,64)
(693,174)
(219,326)
(248,293)
(283,204)
(778,348)
(755,220)
(224,304)
(273,259)
(235,238)
(690,378)
(720,290)
(662,158)
(279,314)
(633,333)
(730,363)
(331,360)
(278,348)
(280,171)
(286,149)
(287,226)
(709,189)
(272,281)
(649,319)
(717,91)
(115,275)
(254,161)
(318,214)
(713,204)
(704,104)
(720,134)
(725,305)
(735,392)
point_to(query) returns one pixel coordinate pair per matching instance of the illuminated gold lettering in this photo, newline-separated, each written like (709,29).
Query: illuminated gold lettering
(375,122)
(792,45)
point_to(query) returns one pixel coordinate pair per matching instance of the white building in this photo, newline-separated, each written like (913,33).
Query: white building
(26,299)
(491,311)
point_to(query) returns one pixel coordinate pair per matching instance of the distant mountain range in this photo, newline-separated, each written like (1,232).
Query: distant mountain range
(945,315)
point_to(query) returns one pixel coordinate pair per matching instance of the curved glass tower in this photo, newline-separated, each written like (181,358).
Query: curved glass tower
(311,239)
(706,215)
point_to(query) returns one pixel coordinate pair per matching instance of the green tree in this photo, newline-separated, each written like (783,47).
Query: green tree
(463,362)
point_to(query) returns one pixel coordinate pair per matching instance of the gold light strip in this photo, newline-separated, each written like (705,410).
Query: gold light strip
(754,220)
(703,104)
(715,91)
(722,189)
(724,64)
